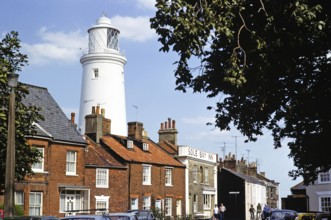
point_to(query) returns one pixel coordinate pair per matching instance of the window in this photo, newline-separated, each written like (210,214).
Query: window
(134,203)
(74,200)
(39,166)
(206,176)
(195,173)
(35,203)
(101,204)
(325,203)
(102,178)
(146,202)
(195,203)
(168,176)
(129,144)
(201,175)
(95,73)
(168,206)
(206,201)
(146,175)
(145,146)
(19,198)
(324,177)
(71,163)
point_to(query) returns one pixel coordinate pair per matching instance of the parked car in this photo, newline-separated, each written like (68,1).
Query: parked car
(323,216)
(86,217)
(108,216)
(282,214)
(307,215)
(143,214)
(32,218)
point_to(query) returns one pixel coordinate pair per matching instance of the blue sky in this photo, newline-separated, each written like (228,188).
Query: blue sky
(53,34)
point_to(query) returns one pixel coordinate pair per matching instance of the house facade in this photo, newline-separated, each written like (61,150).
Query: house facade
(200,181)
(58,183)
(155,178)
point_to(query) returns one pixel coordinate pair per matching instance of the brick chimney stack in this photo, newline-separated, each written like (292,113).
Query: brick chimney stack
(168,132)
(135,130)
(96,125)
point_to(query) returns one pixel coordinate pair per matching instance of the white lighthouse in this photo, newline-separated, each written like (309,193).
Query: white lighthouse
(103,77)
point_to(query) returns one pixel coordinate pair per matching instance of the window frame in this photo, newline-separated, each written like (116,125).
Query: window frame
(147,174)
(146,202)
(71,162)
(324,178)
(207,201)
(168,176)
(206,176)
(101,178)
(41,162)
(36,206)
(101,200)
(168,206)
(195,173)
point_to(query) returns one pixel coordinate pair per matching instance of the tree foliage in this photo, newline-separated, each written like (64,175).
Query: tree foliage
(12,61)
(267,61)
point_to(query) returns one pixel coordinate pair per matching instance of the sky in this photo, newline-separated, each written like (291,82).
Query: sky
(53,34)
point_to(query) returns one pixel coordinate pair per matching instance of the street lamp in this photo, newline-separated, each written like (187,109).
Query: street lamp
(10,159)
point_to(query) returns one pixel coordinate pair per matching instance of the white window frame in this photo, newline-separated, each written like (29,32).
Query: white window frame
(101,202)
(168,206)
(134,203)
(19,198)
(168,176)
(324,177)
(325,203)
(207,201)
(102,178)
(195,203)
(71,162)
(39,166)
(146,202)
(147,174)
(81,199)
(36,203)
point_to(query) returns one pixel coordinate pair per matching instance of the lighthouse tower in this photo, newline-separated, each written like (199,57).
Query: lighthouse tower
(103,77)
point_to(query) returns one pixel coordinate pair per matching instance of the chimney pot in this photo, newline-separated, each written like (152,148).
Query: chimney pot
(93,110)
(98,110)
(73,117)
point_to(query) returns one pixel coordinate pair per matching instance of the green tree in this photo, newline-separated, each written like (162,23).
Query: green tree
(12,61)
(267,62)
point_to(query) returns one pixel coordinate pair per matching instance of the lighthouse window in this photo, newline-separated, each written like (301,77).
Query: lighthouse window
(95,73)
(112,39)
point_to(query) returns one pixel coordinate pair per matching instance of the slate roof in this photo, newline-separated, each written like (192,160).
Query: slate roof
(56,125)
(154,155)
(245,177)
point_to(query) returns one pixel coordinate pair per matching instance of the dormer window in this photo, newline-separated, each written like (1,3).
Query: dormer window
(129,144)
(145,146)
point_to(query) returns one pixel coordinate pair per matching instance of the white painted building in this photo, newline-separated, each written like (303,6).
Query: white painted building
(103,82)
(200,181)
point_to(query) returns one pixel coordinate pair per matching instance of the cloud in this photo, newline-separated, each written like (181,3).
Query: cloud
(136,29)
(65,47)
(58,47)
(148,4)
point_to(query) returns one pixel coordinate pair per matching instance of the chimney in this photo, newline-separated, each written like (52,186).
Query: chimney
(72,119)
(135,130)
(96,125)
(168,132)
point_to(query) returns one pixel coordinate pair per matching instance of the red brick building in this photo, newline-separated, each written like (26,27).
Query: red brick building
(155,178)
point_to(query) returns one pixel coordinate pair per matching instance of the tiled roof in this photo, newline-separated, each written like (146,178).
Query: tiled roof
(154,155)
(99,157)
(56,125)
(169,147)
